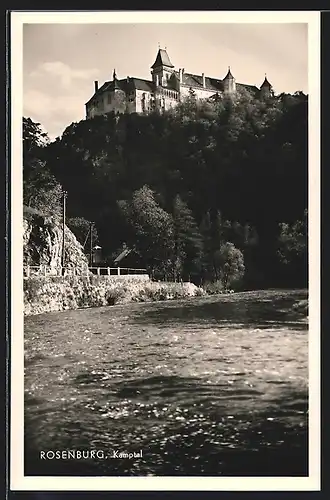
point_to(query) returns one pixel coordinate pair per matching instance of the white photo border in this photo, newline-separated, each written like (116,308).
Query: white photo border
(18,481)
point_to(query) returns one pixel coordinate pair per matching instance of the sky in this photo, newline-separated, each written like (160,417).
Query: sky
(61,61)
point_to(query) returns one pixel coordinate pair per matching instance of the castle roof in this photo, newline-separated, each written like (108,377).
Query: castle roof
(249,88)
(141,84)
(213,84)
(265,83)
(194,81)
(229,76)
(162,59)
(116,85)
(126,85)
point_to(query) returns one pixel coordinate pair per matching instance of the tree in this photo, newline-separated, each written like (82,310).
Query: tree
(230,264)
(41,190)
(152,228)
(188,242)
(33,137)
(292,249)
(81,229)
(242,157)
(215,231)
(187,108)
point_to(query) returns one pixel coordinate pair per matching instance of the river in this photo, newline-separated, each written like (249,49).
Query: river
(214,386)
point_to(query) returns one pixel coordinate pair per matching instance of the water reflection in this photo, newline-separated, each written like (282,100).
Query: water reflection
(204,387)
(239,310)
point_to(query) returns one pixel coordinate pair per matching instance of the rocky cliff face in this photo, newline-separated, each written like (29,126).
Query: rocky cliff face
(43,239)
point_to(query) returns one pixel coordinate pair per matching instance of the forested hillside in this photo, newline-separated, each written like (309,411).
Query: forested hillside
(212,192)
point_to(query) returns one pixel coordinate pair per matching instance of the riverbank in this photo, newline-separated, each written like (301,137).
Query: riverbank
(60,293)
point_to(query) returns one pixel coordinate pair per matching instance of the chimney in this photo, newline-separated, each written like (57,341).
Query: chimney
(96,85)
(203,76)
(127,79)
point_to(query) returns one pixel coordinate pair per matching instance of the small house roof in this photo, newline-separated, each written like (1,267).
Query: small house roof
(122,255)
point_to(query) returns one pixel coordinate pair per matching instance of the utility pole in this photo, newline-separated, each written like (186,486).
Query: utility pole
(91,244)
(65,194)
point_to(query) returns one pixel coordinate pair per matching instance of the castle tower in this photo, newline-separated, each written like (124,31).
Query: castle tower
(266,88)
(229,83)
(115,82)
(162,68)
(118,96)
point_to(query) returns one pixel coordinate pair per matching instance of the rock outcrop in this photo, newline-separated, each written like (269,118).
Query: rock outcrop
(43,242)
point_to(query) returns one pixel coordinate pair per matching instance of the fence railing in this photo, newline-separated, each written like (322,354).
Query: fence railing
(44,270)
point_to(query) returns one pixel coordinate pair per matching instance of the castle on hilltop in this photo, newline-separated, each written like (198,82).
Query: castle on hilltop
(164,91)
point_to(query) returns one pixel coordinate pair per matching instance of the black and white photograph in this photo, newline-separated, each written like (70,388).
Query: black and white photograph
(165,250)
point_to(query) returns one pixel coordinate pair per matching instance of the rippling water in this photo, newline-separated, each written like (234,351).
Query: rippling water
(206,386)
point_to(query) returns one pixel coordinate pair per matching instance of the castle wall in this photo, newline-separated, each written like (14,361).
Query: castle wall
(108,102)
(162,93)
(200,93)
(118,101)
(229,87)
(112,101)
(131,102)
(143,101)
(167,98)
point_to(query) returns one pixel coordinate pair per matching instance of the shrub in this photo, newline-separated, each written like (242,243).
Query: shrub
(115,295)
(214,288)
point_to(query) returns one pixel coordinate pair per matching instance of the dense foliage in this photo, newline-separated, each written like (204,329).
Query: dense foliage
(208,191)
(41,189)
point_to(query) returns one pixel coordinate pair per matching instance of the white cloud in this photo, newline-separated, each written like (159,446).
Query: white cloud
(55,113)
(64,73)
(55,95)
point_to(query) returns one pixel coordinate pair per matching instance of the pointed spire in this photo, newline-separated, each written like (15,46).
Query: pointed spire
(266,83)
(229,76)
(115,84)
(162,59)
